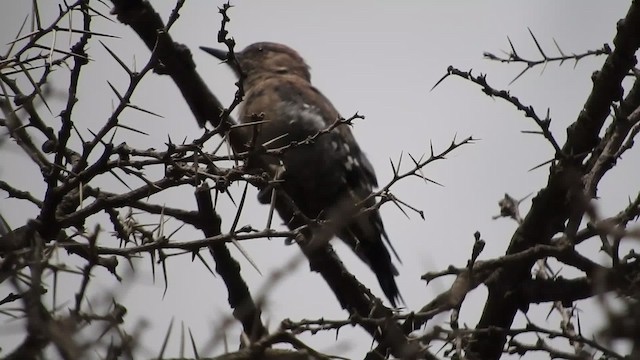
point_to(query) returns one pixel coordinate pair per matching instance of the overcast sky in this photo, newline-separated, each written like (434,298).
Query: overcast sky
(379,59)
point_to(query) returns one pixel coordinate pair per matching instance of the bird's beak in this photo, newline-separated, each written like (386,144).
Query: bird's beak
(220,54)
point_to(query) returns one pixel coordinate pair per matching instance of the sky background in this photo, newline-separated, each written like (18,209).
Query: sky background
(379,59)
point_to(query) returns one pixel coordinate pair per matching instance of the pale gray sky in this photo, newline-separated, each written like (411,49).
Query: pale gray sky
(379,59)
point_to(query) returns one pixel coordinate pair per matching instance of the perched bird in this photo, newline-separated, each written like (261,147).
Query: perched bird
(323,178)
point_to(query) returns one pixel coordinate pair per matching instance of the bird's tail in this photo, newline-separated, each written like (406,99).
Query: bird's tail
(380,262)
(365,235)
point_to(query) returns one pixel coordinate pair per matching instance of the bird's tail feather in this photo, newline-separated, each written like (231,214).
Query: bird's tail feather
(379,261)
(365,237)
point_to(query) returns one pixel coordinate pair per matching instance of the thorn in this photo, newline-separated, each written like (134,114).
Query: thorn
(441,80)
(395,172)
(558,47)
(513,49)
(519,75)
(537,44)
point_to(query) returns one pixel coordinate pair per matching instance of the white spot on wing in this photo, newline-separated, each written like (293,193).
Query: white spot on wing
(309,116)
(349,163)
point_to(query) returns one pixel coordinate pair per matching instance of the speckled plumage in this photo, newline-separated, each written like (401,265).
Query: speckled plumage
(323,178)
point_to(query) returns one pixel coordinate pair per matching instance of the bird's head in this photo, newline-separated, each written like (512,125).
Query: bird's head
(264,58)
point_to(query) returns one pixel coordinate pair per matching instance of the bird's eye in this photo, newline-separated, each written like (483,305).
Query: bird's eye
(260,49)
(282,70)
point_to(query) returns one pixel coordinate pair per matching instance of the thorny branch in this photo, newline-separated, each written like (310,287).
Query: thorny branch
(512,56)
(529,111)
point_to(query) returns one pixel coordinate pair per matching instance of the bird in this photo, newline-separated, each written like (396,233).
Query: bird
(325,176)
